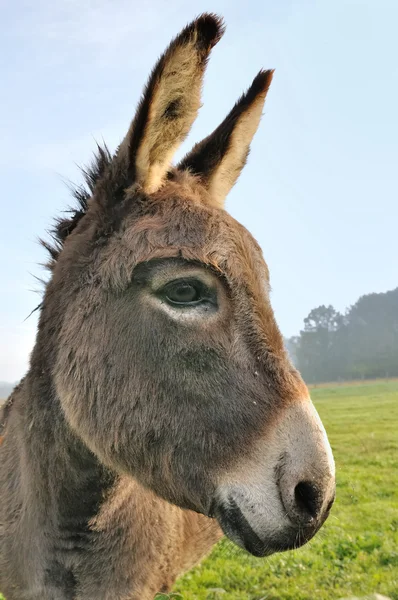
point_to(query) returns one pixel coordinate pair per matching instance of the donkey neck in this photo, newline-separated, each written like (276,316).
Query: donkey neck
(63,473)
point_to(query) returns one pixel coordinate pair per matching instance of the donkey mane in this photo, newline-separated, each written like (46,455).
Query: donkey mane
(81,193)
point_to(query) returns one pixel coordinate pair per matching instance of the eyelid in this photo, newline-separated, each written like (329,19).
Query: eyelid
(162,277)
(194,281)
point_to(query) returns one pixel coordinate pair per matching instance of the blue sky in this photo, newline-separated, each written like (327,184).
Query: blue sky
(320,188)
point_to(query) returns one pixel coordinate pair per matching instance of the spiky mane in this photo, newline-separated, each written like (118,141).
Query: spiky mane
(64,225)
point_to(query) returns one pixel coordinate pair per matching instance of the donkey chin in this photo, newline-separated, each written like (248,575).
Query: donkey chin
(280,498)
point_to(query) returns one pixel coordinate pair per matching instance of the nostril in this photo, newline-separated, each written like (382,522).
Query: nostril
(308,499)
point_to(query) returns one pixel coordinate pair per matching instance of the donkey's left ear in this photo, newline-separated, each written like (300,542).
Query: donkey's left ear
(170,104)
(219,158)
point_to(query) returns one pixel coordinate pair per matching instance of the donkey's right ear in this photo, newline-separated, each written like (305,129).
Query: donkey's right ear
(219,158)
(169,105)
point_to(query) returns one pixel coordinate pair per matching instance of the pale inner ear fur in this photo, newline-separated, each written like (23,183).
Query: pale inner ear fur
(224,176)
(173,109)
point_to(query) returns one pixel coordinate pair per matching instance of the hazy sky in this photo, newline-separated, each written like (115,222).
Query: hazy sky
(320,188)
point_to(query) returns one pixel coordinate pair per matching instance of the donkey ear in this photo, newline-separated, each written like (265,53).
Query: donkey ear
(219,158)
(170,103)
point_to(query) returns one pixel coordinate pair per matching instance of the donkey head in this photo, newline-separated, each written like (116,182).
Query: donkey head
(168,362)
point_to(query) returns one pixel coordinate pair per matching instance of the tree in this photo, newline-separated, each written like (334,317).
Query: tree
(362,343)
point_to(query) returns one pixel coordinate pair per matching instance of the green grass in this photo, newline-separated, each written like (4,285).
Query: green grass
(356,552)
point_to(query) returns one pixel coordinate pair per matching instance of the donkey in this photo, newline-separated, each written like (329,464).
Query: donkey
(160,409)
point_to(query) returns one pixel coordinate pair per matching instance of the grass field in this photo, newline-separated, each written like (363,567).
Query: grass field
(356,552)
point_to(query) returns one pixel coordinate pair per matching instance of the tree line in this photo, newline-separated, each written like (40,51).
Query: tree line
(360,344)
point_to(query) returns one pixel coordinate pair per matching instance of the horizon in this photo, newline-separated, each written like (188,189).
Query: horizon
(326,150)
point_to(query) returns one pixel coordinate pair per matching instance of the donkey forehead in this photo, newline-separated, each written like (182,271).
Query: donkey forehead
(181,224)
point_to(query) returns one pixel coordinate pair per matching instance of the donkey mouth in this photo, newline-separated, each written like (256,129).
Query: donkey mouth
(238,529)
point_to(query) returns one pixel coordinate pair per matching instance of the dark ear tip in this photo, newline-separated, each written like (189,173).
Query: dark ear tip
(261,82)
(210,28)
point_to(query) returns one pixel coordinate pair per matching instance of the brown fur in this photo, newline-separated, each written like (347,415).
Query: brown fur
(133,411)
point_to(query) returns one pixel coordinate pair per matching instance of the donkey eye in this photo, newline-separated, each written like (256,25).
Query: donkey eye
(184,293)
